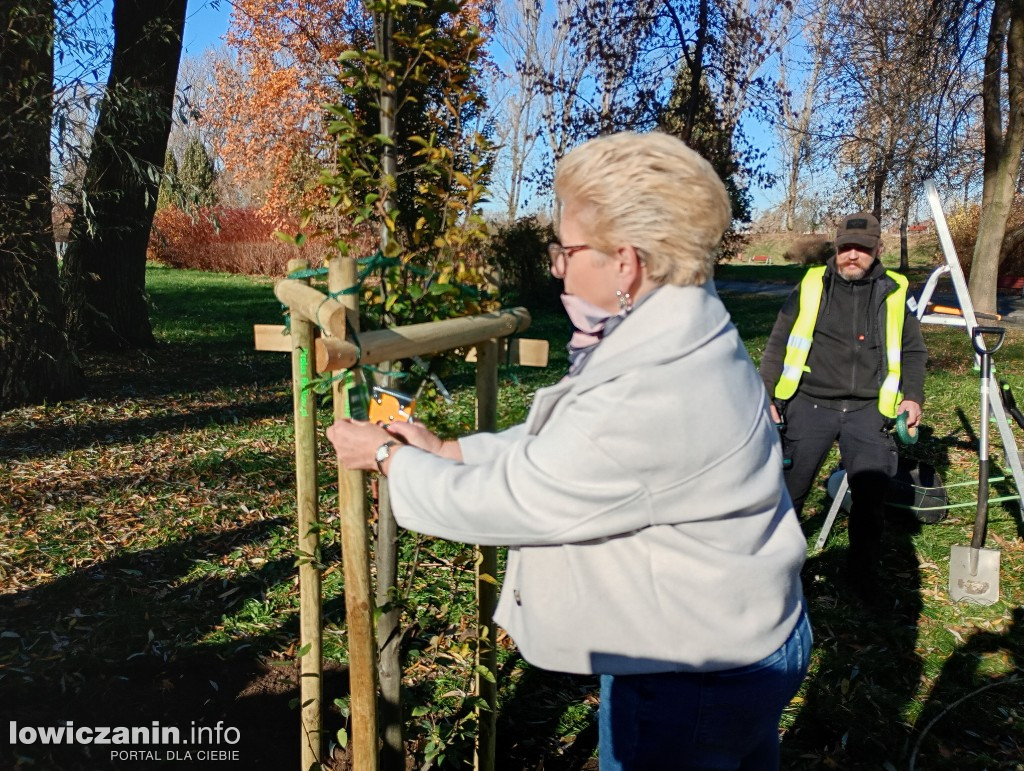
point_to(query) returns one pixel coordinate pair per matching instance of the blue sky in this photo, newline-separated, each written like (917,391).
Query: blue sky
(205,24)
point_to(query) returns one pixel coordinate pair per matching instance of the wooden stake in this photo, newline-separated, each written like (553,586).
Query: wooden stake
(362,648)
(486,572)
(310,663)
(326,312)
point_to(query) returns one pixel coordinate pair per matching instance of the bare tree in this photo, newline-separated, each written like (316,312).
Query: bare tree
(881,86)
(608,65)
(517,29)
(797,115)
(897,87)
(1004,141)
(554,70)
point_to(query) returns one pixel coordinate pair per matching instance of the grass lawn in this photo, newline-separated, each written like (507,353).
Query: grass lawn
(147,568)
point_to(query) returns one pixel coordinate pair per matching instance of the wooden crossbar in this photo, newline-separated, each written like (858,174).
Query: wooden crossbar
(392,344)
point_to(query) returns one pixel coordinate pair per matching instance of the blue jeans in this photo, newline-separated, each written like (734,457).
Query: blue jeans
(702,720)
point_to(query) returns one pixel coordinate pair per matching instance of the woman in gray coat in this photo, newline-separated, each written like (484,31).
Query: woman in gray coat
(651,537)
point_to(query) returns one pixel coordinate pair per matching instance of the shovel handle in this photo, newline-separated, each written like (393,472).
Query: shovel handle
(981,518)
(978,339)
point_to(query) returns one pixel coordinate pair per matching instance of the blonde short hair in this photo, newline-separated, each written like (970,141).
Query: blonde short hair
(652,192)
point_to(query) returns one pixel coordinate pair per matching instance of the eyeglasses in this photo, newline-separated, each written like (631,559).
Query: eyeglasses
(560,255)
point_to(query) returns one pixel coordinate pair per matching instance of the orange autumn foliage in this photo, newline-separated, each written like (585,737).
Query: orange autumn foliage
(266,112)
(233,240)
(266,108)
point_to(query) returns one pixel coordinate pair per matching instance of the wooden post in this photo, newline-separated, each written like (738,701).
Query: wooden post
(310,662)
(309,307)
(486,572)
(362,650)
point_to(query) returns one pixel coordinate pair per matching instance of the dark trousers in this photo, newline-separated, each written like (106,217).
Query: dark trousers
(868,453)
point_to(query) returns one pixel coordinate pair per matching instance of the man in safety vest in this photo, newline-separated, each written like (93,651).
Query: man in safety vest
(844,359)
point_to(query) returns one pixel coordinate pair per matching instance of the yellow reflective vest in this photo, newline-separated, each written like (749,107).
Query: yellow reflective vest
(802,334)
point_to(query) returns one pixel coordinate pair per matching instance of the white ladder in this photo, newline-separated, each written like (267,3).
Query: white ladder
(969,321)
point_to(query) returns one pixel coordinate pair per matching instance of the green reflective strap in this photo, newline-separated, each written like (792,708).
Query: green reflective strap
(395,373)
(309,273)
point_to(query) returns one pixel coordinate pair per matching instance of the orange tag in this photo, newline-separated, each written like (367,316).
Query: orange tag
(390,406)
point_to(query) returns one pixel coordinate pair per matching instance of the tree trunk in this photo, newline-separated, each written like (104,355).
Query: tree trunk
(904,248)
(696,72)
(877,189)
(106,261)
(1002,150)
(792,185)
(389,635)
(389,668)
(36,361)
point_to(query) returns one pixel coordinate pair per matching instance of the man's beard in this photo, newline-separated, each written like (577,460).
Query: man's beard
(852,272)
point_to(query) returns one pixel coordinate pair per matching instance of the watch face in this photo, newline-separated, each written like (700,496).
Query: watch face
(383,452)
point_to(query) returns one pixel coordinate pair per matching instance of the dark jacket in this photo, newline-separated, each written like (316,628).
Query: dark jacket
(847,356)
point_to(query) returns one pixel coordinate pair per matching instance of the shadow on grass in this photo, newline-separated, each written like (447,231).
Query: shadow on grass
(116,644)
(548,721)
(44,440)
(183,366)
(866,668)
(974,719)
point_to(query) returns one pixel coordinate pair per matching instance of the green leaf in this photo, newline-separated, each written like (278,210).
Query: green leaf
(342,737)
(343,706)
(485,673)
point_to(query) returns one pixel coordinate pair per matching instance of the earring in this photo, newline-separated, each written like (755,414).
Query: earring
(625,301)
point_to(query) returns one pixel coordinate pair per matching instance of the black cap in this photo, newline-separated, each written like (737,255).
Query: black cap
(860,229)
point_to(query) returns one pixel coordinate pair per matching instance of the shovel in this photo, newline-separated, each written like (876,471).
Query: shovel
(974,570)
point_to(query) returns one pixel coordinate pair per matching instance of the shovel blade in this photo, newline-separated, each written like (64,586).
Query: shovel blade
(980,587)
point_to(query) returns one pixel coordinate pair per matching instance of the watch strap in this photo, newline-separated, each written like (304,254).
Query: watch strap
(384,452)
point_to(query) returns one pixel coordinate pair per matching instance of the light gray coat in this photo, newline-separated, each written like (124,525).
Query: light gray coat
(643,500)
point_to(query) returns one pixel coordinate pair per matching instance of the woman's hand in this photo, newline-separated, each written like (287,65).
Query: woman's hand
(416,435)
(356,443)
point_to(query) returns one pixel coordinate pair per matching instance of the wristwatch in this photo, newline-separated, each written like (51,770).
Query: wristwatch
(384,452)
